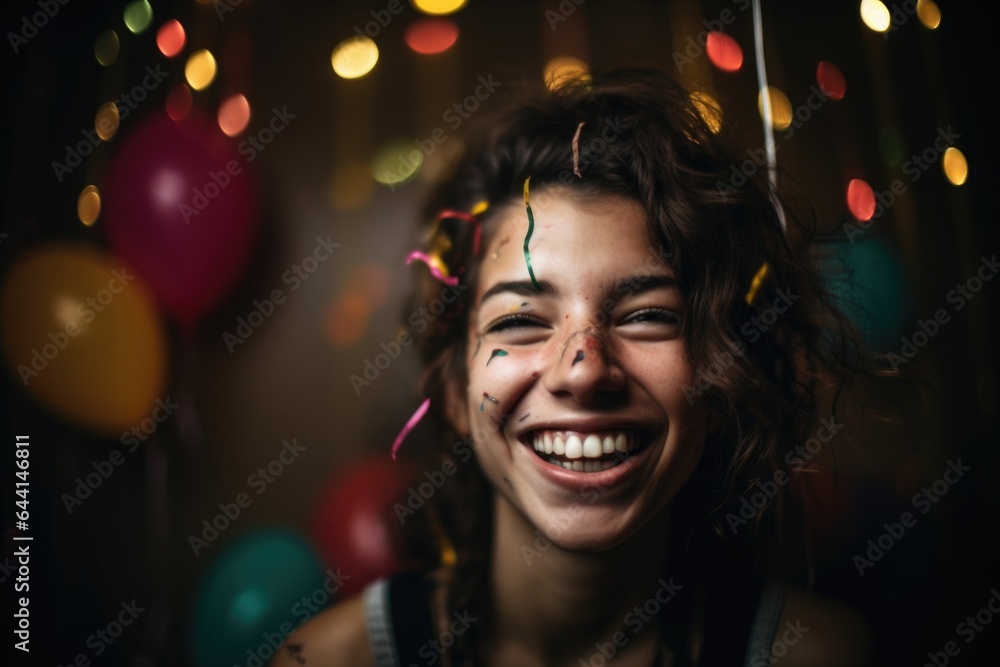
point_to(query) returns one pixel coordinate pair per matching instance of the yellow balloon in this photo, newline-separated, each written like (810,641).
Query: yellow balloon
(82,335)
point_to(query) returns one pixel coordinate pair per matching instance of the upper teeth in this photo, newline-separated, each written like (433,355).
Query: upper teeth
(584,445)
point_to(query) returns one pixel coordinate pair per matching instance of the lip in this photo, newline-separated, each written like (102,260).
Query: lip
(579,481)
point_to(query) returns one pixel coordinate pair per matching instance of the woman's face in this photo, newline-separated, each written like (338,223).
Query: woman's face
(576,390)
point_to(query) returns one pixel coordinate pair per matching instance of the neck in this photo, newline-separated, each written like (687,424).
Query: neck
(556,604)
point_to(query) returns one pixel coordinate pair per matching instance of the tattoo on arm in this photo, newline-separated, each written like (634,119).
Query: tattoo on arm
(296,652)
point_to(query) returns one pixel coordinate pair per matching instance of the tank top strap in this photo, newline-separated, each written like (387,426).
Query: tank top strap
(765,623)
(730,615)
(398,619)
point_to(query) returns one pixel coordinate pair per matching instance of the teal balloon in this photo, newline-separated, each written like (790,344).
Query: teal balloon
(869,284)
(251,597)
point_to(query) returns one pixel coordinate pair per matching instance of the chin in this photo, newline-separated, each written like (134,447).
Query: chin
(591,528)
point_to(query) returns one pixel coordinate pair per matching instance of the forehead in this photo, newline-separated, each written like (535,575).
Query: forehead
(574,237)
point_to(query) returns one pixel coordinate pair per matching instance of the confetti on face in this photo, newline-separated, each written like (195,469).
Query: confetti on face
(757,281)
(576,151)
(531,228)
(487,397)
(577,358)
(496,253)
(526,415)
(496,353)
(591,340)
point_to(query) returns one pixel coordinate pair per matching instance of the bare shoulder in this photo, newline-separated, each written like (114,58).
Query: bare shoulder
(819,631)
(334,638)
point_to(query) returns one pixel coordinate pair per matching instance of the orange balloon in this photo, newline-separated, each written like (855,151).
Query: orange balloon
(82,335)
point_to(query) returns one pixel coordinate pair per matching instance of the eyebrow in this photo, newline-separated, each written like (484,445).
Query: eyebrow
(521,288)
(640,284)
(629,285)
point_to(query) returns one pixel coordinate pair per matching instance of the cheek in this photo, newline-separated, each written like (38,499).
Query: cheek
(497,377)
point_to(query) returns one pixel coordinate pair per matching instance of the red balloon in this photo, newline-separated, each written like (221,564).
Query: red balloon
(179,206)
(354,523)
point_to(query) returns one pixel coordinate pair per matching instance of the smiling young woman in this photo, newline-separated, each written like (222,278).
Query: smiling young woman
(607,274)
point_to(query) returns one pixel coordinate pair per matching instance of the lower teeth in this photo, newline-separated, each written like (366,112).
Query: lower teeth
(590,465)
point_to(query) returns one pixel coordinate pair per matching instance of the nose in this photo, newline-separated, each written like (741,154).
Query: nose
(585,369)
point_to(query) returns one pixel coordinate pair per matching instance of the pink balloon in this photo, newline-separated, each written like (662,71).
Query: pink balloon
(179,206)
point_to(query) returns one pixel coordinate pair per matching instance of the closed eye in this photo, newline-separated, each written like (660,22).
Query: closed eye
(513,322)
(654,316)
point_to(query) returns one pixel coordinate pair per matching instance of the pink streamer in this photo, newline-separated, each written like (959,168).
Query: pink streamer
(435,271)
(417,416)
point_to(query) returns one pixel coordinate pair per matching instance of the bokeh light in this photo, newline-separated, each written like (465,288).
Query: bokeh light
(351,186)
(781,108)
(929,13)
(831,80)
(956,168)
(875,15)
(860,199)
(179,101)
(708,108)
(354,57)
(88,205)
(397,163)
(438,7)
(347,319)
(431,35)
(106,47)
(106,121)
(200,69)
(564,69)
(724,51)
(348,315)
(138,15)
(234,115)
(170,38)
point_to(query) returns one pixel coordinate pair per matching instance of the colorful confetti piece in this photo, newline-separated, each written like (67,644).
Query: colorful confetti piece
(496,353)
(527,237)
(496,253)
(487,397)
(434,265)
(451,214)
(577,358)
(417,416)
(576,151)
(757,281)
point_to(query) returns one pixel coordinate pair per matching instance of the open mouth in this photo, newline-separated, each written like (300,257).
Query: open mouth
(587,452)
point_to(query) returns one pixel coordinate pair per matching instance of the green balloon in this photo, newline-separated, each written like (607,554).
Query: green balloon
(253,595)
(869,285)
